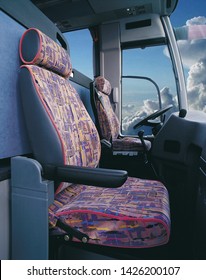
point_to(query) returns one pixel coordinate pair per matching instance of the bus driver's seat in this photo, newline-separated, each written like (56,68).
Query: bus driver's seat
(94,205)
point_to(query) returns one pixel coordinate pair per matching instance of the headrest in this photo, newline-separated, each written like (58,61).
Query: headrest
(39,49)
(103,85)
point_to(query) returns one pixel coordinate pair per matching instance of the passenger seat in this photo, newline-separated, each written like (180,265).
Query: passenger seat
(91,205)
(108,123)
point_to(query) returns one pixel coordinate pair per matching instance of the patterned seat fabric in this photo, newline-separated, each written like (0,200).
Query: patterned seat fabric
(136,214)
(108,122)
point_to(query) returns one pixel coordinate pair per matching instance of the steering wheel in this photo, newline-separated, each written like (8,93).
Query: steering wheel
(153,116)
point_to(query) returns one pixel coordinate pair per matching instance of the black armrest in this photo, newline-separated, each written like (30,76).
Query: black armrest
(100,177)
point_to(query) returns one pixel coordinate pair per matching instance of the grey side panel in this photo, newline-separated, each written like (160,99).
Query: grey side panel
(4,220)
(13,137)
(31,197)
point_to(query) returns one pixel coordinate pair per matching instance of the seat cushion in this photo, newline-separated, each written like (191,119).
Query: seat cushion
(135,215)
(130,144)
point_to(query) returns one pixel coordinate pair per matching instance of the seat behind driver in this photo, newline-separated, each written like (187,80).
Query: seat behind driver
(108,122)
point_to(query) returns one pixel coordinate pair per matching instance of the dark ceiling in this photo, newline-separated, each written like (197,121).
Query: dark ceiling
(76,14)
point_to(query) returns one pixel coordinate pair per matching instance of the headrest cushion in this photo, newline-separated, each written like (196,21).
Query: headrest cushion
(103,85)
(39,49)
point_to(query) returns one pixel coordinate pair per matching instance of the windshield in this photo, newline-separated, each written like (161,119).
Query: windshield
(148,84)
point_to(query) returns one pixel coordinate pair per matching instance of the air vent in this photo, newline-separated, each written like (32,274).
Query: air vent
(138,24)
(63,25)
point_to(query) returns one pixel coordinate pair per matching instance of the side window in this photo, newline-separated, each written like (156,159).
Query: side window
(81,45)
(148,84)
(191,40)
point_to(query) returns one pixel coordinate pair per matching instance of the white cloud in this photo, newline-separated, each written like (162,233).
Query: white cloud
(196,86)
(193,52)
(192,44)
(196,21)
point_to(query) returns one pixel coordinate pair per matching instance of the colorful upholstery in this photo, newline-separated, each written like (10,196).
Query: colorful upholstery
(136,214)
(108,122)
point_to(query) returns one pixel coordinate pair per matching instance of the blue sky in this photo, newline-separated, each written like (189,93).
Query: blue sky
(81,47)
(187,9)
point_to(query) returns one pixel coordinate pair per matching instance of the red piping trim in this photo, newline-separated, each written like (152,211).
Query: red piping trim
(115,217)
(39,50)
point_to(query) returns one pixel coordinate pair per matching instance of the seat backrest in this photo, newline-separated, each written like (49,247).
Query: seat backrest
(108,122)
(59,128)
